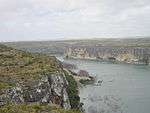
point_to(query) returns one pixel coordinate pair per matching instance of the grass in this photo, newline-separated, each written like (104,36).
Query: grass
(19,66)
(16,63)
(34,108)
(4,85)
(86,81)
(72,91)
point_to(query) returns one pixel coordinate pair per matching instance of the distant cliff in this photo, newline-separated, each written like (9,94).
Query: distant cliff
(129,50)
(27,78)
(138,55)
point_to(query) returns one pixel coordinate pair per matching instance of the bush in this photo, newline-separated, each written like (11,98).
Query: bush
(86,81)
(72,91)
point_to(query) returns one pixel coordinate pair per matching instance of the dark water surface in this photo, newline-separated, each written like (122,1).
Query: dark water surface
(125,87)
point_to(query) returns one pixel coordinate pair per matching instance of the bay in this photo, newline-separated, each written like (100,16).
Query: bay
(125,87)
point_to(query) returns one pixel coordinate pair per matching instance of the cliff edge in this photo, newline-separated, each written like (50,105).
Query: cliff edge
(27,78)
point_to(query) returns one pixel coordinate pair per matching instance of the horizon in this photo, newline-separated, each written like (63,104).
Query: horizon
(76,39)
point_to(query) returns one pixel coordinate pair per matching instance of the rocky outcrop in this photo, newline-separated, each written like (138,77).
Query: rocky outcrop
(35,81)
(50,88)
(138,55)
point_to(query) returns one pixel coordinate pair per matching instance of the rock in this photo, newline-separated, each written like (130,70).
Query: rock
(69,66)
(83,73)
(50,88)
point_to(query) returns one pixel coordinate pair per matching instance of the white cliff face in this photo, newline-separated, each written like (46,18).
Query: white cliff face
(49,89)
(121,54)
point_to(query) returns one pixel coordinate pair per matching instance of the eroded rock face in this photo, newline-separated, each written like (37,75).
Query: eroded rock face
(50,88)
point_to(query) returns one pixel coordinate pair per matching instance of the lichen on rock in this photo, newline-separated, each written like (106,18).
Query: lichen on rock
(36,78)
(49,89)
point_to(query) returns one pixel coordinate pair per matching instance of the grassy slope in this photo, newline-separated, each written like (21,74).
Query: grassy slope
(34,108)
(18,65)
(23,65)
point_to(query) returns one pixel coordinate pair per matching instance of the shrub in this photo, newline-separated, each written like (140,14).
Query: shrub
(72,90)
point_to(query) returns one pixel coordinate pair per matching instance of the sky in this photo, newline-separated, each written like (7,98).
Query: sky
(70,19)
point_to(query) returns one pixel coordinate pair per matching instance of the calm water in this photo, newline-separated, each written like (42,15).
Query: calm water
(125,87)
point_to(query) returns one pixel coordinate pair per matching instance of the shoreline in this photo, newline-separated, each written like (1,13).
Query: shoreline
(107,60)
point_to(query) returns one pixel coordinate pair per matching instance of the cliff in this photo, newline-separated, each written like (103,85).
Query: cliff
(27,78)
(128,50)
(138,55)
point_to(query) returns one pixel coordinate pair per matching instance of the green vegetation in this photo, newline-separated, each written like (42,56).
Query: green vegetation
(19,66)
(4,85)
(34,108)
(24,65)
(86,81)
(72,91)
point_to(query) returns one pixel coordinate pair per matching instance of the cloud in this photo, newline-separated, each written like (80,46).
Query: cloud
(54,19)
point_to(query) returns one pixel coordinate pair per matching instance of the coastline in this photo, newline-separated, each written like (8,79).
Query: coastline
(107,60)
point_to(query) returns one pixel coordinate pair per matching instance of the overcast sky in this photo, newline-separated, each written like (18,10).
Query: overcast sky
(66,19)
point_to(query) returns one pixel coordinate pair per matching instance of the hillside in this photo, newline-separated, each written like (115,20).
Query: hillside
(18,63)
(58,47)
(32,82)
